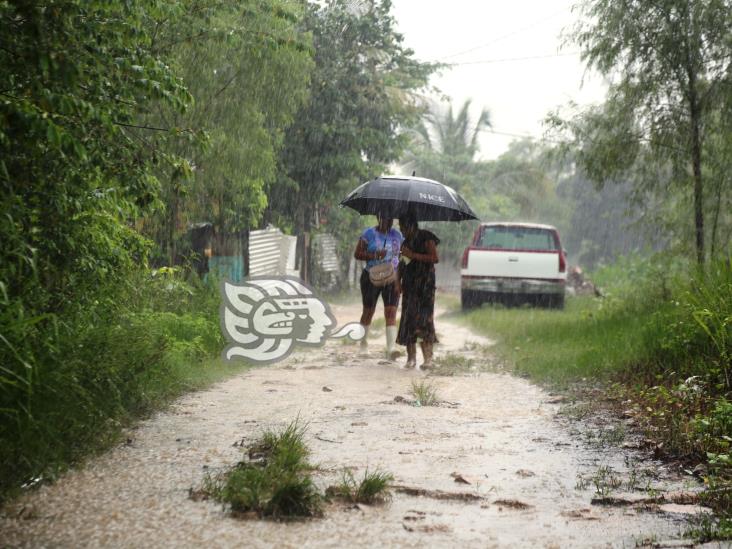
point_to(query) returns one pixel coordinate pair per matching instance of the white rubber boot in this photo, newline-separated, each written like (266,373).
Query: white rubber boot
(391,335)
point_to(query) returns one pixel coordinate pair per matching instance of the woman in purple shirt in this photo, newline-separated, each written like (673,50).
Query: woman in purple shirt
(377,245)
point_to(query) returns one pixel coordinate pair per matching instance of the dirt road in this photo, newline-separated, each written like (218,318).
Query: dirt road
(533,476)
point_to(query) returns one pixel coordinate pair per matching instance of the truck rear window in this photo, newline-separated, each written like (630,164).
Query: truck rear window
(517,238)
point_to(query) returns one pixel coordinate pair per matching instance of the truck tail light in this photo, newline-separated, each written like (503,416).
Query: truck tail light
(465,258)
(562,262)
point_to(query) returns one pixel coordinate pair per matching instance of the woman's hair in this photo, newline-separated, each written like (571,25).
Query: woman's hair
(408,220)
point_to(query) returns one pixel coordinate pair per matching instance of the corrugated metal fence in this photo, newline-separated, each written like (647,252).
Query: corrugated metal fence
(266,255)
(270,252)
(325,247)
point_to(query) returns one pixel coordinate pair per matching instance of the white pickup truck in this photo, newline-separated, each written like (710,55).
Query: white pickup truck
(514,262)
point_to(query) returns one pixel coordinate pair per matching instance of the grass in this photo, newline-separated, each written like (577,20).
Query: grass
(378,323)
(54,442)
(707,529)
(424,394)
(562,345)
(606,438)
(274,483)
(372,488)
(450,364)
(286,448)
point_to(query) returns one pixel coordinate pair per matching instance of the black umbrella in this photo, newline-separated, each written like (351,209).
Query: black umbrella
(394,196)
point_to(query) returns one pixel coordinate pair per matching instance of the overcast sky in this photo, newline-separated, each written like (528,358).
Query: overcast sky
(492,40)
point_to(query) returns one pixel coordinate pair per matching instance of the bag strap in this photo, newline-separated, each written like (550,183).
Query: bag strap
(386,240)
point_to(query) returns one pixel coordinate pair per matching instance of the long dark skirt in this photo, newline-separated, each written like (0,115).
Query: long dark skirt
(418,309)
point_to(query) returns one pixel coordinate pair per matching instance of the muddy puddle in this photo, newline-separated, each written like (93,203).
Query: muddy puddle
(496,466)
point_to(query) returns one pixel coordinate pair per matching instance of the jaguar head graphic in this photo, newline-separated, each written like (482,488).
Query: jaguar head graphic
(264,318)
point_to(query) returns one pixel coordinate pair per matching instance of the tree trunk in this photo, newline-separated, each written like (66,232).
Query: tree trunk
(303,243)
(696,152)
(715,218)
(244,242)
(172,221)
(698,193)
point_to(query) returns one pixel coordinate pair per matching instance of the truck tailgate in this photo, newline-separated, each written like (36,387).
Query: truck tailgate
(512,264)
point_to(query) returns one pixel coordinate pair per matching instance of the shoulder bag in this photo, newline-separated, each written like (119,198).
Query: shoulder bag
(382,274)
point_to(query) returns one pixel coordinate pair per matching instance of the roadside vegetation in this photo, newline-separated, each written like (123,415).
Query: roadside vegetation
(659,342)
(94,373)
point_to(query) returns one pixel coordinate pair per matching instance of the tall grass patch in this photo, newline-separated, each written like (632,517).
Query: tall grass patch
(275,482)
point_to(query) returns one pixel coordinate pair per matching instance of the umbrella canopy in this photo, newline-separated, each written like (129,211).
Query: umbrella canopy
(394,196)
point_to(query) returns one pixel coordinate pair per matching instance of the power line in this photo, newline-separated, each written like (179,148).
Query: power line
(508,35)
(509,59)
(522,136)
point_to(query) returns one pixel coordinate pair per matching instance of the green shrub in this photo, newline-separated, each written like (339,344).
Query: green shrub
(77,376)
(690,334)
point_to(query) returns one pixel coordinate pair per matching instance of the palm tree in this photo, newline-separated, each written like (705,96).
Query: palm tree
(443,132)
(444,148)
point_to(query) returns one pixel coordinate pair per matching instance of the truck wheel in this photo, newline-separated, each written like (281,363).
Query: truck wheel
(468,300)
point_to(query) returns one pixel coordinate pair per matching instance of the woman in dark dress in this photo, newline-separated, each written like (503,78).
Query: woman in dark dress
(416,277)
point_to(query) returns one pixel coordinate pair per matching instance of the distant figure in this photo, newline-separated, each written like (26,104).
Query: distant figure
(378,245)
(577,284)
(417,283)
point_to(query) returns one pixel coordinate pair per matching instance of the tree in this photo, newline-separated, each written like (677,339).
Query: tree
(247,66)
(444,144)
(604,224)
(453,135)
(671,64)
(74,171)
(443,147)
(76,76)
(516,186)
(362,95)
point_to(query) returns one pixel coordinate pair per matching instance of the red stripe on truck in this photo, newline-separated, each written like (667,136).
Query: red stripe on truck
(483,277)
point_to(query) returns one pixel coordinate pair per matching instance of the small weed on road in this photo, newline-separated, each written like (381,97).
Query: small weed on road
(373,487)
(604,480)
(424,394)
